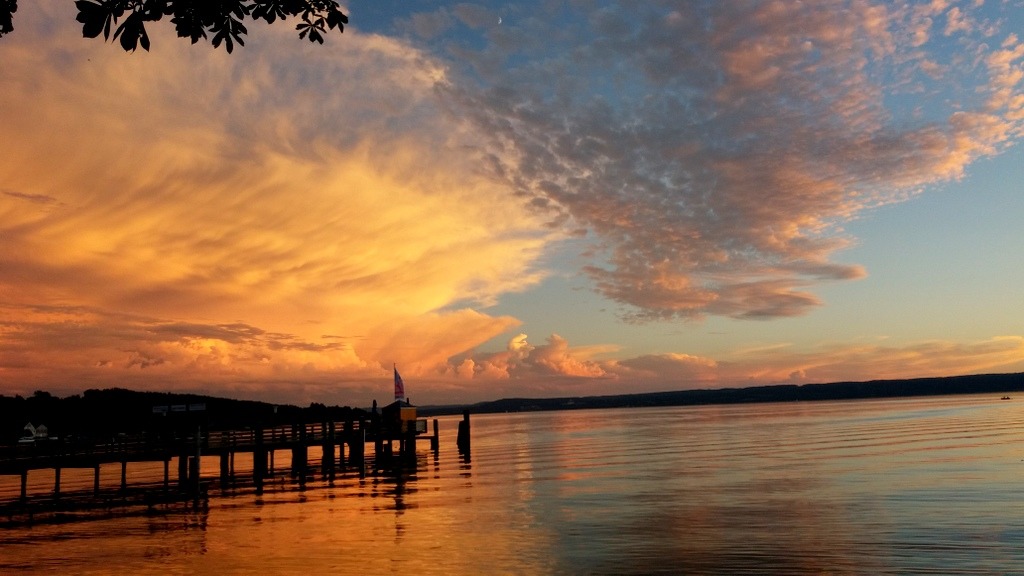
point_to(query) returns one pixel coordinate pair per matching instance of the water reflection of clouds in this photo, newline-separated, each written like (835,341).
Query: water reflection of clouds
(812,489)
(789,487)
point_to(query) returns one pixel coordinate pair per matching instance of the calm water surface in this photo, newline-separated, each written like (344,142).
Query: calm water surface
(911,486)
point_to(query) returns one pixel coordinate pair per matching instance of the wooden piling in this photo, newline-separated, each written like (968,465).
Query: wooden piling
(198,460)
(193,472)
(409,442)
(300,460)
(259,460)
(378,447)
(348,437)
(435,440)
(183,468)
(463,441)
(362,451)
(225,468)
(327,451)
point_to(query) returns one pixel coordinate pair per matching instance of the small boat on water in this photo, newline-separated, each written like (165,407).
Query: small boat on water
(1005,398)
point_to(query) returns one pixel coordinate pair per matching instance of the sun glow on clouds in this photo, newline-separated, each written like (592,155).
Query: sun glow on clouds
(289,220)
(715,149)
(313,222)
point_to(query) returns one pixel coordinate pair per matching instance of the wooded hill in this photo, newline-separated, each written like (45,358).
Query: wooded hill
(1001,384)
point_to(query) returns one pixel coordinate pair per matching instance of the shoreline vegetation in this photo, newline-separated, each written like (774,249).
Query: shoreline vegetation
(112,411)
(937,386)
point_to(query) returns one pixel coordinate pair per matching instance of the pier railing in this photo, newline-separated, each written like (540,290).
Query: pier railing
(342,446)
(73,451)
(282,435)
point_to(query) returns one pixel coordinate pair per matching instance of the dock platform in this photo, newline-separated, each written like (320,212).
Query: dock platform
(342,447)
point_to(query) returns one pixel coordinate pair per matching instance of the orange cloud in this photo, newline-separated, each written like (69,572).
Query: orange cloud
(185,219)
(559,369)
(876,361)
(289,220)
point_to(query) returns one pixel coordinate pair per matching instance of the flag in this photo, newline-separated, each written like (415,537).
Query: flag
(399,386)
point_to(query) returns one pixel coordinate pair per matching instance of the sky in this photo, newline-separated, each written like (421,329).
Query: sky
(515,199)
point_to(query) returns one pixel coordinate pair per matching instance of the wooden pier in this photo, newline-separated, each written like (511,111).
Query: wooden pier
(342,446)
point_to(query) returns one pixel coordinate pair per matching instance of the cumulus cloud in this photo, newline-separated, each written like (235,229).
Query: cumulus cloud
(525,369)
(523,361)
(196,217)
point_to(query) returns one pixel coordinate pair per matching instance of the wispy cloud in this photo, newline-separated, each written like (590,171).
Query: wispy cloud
(33,198)
(714,150)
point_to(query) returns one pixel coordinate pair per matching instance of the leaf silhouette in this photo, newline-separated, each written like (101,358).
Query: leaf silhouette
(7,10)
(219,21)
(131,31)
(94,18)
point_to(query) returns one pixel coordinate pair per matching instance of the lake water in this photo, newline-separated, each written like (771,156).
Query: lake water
(910,486)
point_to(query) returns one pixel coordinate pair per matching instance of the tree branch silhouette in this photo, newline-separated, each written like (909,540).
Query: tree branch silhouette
(219,22)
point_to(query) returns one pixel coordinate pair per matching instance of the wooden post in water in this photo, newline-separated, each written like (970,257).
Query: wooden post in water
(96,480)
(193,474)
(199,457)
(259,461)
(24,485)
(56,482)
(188,465)
(295,455)
(435,440)
(463,440)
(378,447)
(225,471)
(300,455)
(347,437)
(409,444)
(124,475)
(356,445)
(327,451)
(362,449)
(344,452)
(183,466)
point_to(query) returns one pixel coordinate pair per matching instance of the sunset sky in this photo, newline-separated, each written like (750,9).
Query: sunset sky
(515,199)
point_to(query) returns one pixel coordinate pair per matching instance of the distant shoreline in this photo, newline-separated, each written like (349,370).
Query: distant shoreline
(115,410)
(938,386)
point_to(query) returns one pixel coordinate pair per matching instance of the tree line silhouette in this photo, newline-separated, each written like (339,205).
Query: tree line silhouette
(996,384)
(101,415)
(104,413)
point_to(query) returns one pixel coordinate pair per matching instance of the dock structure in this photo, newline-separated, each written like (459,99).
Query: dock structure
(342,446)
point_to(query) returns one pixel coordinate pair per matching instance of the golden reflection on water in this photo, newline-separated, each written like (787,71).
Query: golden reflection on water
(929,485)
